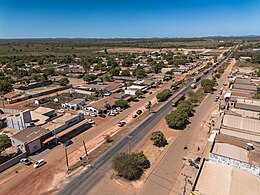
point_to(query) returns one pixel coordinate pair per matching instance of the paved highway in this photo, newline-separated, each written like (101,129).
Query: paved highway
(83,183)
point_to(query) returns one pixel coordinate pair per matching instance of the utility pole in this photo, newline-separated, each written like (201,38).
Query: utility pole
(66,156)
(86,152)
(55,133)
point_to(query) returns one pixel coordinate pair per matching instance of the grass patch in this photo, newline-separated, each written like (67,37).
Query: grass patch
(247,64)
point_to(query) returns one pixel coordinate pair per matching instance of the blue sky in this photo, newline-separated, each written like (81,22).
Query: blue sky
(128,18)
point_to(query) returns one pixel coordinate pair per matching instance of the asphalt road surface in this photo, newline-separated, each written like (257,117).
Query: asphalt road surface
(83,183)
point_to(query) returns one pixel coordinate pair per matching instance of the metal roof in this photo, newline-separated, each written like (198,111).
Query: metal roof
(30,134)
(234,180)
(241,123)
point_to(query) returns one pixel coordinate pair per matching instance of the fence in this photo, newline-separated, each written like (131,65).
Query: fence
(235,163)
(12,162)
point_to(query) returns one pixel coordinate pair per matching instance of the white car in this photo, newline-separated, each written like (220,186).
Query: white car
(39,163)
(91,121)
(93,114)
(61,110)
(119,109)
(134,115)
(111,114)
(115,112)
(25,161)
(86,113)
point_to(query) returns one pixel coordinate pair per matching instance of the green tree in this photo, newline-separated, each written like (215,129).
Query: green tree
(5,86)
(106,77)
(163,95)
(125,73)
(112,63)
(130,166)
(121,103)
(36,77)
(114,71)
(174,85)
(139,93)
(158,139)
(176,119)
(217,75)
(207,85)
(193,97)
(186,106)
(256,58)
(5,142)
(50,71)
(170,72)
(44,77)
(139,72)
(89,77)
(100,93)
(156,67)
(258,73)
(64,81)
(128,61)
(257,95)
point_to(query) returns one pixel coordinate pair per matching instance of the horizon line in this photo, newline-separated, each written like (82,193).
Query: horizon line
(195,37)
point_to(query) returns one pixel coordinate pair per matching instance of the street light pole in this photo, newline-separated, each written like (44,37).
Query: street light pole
(66,156)
(86,152)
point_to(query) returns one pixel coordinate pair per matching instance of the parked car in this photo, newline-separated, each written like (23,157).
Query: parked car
(86,113)
(139,112)
(115,112)
(121,123)
(93,114)
(111,114)
(119,109)
(39,163)
(61,111)
(90,121)
(134,115)
(102,115)
(25,161)
(67,143)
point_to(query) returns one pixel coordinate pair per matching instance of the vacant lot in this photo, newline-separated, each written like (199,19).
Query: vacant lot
(66,97)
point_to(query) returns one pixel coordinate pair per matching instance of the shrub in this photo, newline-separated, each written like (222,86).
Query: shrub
(177,119)
(217,75)
(64,81)
(121,103)
(207,85)
(5,142)
(158,139)
(130,166)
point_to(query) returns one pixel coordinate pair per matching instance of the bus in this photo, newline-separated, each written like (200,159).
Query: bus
(177,99)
